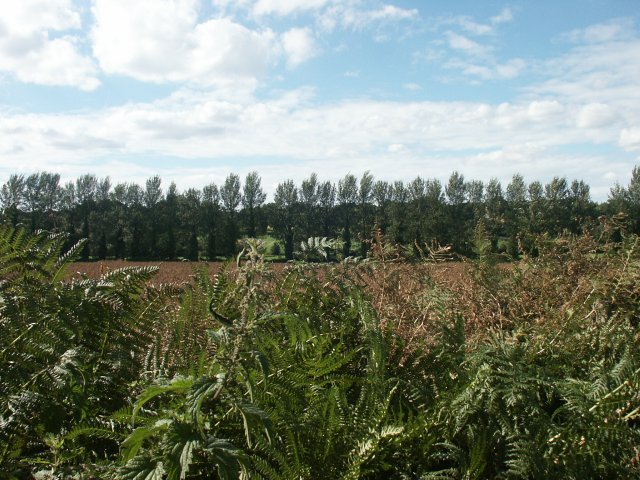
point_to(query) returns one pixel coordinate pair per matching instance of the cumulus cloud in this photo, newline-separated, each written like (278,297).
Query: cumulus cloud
(170,45)
(630,139)
(599,78)
(544,110)
(368,134)
(596,115)
(299,46)
(589,96)
(29,50)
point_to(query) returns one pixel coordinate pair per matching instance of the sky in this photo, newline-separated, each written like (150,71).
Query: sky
(193,90)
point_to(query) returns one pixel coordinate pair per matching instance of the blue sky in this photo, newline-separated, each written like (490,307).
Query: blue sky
(195,89)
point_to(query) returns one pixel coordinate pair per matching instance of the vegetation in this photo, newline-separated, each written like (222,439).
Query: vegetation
(367,369)
(146,223)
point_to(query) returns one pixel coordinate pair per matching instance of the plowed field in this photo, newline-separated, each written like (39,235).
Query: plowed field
(178,272)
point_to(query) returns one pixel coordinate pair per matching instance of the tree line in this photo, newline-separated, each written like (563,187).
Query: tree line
(148,222)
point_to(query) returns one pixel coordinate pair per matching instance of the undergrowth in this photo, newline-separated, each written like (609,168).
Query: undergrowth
(380,369)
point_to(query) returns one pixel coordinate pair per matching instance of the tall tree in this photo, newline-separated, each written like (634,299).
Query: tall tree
(516,212)
(152,197)
(309,199)
(104,218)
(190,218)
(327,201)
(475,196)
(168,242)
(436,222)
(286,203)
(365,193)
(621,201)
(455,189)
(252,199)
(12,197)
(398,227)
(103,189)
(457,228)
(580,204)
(134,197)
(152,192)
(347,200)
(231,197)
(494,211)
(557,208)
(417,191)
(86,187)
(382,194)
(42,197)
(211,204)
(536,207)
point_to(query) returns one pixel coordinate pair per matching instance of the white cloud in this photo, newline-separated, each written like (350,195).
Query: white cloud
(285,7)
(467,24)
(28,50)
(505,16)
(489,71)
(365,134)
(596,115)
(229,7)
(604,73)
(466,45)
(354,17)
(590,96)
(511,69)
(544,110)
(613,30)
(473,27)
(29,16)
(460,36)
(630,139)
(299,46)
(412,87)
(397,148)
(169,45)
(390,12)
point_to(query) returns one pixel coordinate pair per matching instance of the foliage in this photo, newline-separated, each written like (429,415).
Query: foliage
(316,249)
(377,369)
(128,220)
(71,353)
